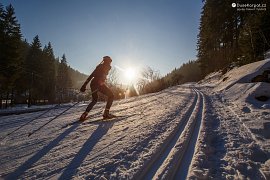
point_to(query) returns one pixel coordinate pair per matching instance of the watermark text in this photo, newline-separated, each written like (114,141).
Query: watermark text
(249,7)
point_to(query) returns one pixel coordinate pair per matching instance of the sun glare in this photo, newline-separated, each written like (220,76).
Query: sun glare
(130,74)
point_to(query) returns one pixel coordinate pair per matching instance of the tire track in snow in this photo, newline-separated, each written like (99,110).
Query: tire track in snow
(174,157)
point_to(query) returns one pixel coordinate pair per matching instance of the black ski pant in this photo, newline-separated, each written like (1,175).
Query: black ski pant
(104,90)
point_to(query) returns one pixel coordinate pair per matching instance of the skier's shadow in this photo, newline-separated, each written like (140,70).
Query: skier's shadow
(71,169)
(28,164)
(86,148)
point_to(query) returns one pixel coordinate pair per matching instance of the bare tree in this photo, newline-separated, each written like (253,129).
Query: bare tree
(148,75)
(113,77)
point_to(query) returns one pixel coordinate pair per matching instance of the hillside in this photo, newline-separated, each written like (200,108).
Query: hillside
(213,129)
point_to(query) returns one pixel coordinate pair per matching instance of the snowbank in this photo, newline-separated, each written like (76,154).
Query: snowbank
(236,85)
(255,94)
(245,93)
(243,74)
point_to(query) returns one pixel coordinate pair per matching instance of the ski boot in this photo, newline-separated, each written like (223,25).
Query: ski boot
(83,116)
(107,115)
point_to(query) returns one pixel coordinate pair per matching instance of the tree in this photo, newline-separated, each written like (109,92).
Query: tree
(254,36)
(228,35)
(10,58)
(50,73)
(1,50)
(28,71)
(22,83)
(63,79)
(113,77)
(2,12)
(34,70)
(147,82)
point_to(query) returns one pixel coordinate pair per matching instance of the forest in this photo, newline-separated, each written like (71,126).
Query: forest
(231,35)
(228,37)
(30,73)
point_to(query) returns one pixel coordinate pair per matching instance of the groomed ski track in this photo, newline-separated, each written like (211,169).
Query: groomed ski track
(175,154)
(156,140)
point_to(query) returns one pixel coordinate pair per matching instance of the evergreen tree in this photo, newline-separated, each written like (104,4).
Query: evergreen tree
(1,50)
(28,72)
(50,73)
(227,35)
(10,60)
(33,57)
(2,12)
(34,71)
(22,83)
(63,79)
(254,36)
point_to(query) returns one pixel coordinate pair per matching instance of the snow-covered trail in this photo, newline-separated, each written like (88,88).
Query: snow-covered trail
(114,149)
(183,132)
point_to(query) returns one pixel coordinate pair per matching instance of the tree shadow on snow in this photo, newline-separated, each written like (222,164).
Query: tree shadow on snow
(30,162)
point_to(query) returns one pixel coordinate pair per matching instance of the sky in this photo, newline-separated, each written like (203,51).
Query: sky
(161,34)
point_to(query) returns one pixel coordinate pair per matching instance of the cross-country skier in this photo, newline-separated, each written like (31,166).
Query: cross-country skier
(98,78)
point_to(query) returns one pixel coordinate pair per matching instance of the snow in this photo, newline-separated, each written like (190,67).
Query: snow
(214,129)
(242,74)
(23,108)
(244,119)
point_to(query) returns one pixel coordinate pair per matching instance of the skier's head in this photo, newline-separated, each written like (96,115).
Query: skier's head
(107,60)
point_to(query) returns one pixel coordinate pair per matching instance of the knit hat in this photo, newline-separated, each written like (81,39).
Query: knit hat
(107,59)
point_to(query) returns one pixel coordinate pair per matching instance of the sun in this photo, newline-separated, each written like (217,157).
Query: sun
(130,74)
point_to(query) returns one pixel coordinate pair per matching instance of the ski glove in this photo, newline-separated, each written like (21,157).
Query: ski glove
(83,88)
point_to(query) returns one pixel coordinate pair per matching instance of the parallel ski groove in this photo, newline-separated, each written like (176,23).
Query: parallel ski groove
(189,125)
(185,163)
(179,152)
(148,171)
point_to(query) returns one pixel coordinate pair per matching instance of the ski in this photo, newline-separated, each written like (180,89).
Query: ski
(88,121)
(35,118)
(31,133)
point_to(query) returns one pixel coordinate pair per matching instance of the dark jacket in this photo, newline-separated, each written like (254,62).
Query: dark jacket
(99,75)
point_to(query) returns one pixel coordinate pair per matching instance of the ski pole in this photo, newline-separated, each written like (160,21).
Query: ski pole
(56,116)
(52,119)
(28,122)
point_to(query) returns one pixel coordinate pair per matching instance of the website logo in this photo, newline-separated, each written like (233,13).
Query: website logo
(249,6)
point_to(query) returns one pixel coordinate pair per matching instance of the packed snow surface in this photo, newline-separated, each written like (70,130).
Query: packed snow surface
(214,129)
